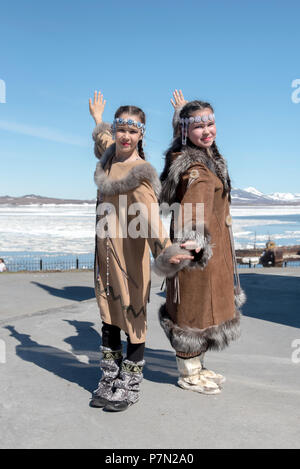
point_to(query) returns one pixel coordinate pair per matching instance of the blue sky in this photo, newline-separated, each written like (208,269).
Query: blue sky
(240,56)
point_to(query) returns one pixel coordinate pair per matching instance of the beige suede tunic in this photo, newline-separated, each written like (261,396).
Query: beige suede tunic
(122,264)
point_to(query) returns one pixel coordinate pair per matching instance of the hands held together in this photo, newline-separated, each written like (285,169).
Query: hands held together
(189,246)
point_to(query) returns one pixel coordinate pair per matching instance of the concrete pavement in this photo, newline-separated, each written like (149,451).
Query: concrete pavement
(50,329)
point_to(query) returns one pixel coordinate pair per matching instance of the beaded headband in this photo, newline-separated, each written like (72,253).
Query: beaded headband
(121,121)
(186,121)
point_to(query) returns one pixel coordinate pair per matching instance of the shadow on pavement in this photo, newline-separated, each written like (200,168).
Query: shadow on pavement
(68,365)
(273,298)
(75,293)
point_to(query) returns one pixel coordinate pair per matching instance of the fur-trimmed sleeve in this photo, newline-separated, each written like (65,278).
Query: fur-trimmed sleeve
(200,197)
(102,137)
(152,226)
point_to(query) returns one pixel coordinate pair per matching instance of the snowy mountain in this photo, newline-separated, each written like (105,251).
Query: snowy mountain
(32,199)
(254,191)
(281,196)
(252,196)
(285,196)
(248,196)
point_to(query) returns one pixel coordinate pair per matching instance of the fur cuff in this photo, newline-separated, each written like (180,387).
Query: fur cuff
(190,340)
(199,234)
(101,128)
(164,268)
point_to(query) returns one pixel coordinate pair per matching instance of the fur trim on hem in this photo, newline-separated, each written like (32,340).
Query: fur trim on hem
(131,181)
(191,340)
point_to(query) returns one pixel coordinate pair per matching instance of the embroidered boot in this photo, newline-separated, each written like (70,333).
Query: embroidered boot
(110,366)
(127,386)
(191,379)
(209,374)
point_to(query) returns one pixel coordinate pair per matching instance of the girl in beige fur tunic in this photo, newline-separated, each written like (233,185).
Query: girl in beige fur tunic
(127,185)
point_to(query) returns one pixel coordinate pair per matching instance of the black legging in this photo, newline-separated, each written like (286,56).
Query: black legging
(111,337)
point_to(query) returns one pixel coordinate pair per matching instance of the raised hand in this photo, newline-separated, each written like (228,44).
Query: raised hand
(97,107)
(179,100)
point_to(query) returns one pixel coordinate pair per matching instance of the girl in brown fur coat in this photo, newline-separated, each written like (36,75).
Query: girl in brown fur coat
(201,312)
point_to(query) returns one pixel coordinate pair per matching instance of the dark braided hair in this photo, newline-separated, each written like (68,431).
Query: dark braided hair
(217,156)
(134,111)
(176,146)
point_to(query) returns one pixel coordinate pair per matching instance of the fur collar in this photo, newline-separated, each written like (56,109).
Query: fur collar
(183,162)
(133,178)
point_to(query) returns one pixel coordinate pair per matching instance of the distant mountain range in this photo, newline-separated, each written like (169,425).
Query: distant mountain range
(251,196)
(248,196)
(32,199)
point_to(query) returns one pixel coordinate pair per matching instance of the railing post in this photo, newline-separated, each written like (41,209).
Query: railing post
(41,264)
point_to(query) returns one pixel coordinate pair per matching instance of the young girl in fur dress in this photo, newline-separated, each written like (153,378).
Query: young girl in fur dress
(201,312)
(122,260)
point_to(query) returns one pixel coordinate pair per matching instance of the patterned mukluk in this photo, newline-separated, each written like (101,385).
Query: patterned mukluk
(127,386)
(110,366)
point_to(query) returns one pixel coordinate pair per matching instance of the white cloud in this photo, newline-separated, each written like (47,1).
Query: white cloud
(45,133)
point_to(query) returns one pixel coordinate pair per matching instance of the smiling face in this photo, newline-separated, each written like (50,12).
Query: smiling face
(202,134)
(127,136)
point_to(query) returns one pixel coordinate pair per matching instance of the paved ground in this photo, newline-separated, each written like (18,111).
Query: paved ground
(49,326)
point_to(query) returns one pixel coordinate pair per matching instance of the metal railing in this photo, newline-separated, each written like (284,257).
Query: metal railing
(86,262)
(58,263)
(250,265)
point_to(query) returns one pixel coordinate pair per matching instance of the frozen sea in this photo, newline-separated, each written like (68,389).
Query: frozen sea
(68,230)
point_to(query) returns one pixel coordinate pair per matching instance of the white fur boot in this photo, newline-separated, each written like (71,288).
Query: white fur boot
(190,377)
(209,374)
